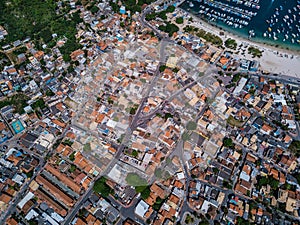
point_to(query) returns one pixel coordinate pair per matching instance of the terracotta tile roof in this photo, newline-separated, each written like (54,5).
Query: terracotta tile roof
(86,183)
(58,123)
(90,219)
(247,96)
(83,163)
(11,221)
(275,173)
(251,158)
(42,197)
(266,128)
(112,150)
(60,106)
(100,118)
(27,206)
(74,55)
(97,222)
(158,190)
(67,151)
(174,198)
(80,177)
(260,212)
(151,199)
(63,178)
(5,198)
(178,184)
(246,184)
(88,168)
(247,169)
(224,60)
(2,126)
(38,55)
(287,138)
(282,178)
(60,195)
(71,135)
(80,222)
(240,189)
(285,109)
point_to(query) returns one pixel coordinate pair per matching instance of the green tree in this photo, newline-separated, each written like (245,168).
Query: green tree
(94,9)
(101,187)
(179,20)
(170,9)
(46,34)
(134,153)
(295,147)
(144,190)
(40,103)
(49,93)
(227,142)
(72,156)
(150,16)
(230,43)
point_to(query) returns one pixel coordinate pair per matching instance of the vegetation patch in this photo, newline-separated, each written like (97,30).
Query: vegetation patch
(72,156)
(179,20)
(295,147)
(102,188)
(234,122)
(87,147)
(265,180)
(38,20)
(191,125)
(40,103)
(18,101)
(209,37)
(133,109)
(135,180)
(255,52)
(169,28)
(185,136)
(228,143)
(158,203)
(230,43)
(144,190)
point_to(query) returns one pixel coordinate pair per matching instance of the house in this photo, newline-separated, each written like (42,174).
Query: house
(141,209)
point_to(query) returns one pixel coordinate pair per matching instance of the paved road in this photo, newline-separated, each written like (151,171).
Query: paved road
(13,203)
(14,144)
(77,206)
(125,140)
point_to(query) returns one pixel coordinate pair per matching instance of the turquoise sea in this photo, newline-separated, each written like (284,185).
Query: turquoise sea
(275,22)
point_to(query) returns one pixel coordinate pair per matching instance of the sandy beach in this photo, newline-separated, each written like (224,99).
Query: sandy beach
(274,60)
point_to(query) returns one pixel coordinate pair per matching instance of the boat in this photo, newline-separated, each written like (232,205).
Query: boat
(251,33)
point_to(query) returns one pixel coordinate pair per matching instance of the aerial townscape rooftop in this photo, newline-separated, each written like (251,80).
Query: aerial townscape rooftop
(161,112)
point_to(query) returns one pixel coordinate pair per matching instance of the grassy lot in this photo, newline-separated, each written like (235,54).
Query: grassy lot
(19,101)
(233,122)
(135,180)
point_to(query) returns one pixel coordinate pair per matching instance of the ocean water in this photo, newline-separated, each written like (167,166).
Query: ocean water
(274,22)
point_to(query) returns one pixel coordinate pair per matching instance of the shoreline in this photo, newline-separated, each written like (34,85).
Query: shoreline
(273,60)
(258,44)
